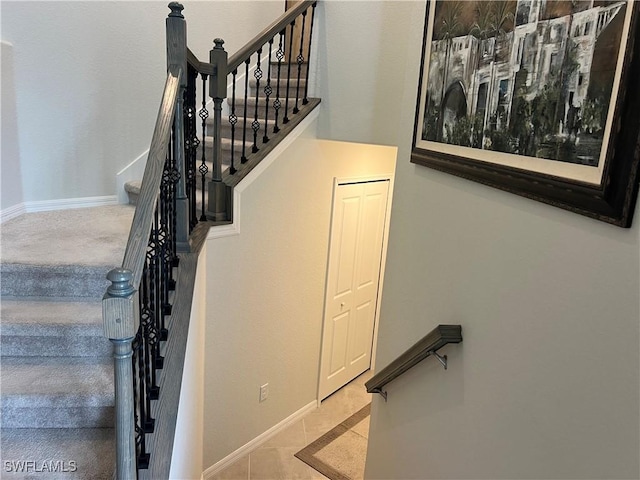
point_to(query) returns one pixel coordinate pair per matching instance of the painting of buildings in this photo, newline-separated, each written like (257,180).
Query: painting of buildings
(526,77)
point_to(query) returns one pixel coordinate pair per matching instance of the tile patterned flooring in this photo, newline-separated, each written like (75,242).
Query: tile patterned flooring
(274,459)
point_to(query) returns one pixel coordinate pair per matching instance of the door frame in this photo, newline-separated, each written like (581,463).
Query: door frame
(337,181)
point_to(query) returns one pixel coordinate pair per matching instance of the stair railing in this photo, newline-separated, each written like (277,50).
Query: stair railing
(428,346)
(283,49)
(139,299)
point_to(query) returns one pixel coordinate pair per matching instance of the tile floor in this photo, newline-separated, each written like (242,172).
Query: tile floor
(274,459)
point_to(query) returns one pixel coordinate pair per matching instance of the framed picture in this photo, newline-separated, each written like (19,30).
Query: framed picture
(540,98)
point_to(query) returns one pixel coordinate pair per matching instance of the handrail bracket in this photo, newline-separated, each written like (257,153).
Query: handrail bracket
(381,392)
(441,358)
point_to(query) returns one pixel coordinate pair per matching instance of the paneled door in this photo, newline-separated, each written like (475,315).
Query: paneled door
(355,255)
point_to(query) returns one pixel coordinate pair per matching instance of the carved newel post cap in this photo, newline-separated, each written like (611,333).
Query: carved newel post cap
(176,9)
(120,279)
(218,44)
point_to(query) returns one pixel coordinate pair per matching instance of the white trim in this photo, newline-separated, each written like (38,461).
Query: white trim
(259,440)
(12,212)
(58,204)
(222,231)
(234,228)
(132,172)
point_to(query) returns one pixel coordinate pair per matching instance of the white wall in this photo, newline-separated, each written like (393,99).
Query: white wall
(89,78)
(10,165)
(186,460)
(266,291)
(546,382)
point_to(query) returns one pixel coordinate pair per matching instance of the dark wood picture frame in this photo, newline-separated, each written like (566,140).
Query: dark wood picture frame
(612,200)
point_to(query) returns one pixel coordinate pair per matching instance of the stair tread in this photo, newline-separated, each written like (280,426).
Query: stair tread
(82,237)
(29,382)
(92,450)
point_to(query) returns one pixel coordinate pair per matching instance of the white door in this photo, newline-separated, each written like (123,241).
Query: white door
(355,255)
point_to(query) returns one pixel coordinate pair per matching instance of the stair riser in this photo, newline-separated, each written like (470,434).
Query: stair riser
(292,90)
(38,281)
(262,111)
(226,128)
(47,346)
(284,69)
(58,417)
(226,153)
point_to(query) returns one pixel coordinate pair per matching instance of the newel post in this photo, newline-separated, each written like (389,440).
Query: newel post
(218,191)
(177,56)
(120,323)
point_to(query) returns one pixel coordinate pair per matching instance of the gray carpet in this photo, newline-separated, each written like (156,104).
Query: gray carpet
(57,368)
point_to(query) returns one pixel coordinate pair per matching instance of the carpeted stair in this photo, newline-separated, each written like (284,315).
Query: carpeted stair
(57,367)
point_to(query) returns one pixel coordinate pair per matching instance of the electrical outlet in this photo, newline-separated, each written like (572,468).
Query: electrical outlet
(264,392)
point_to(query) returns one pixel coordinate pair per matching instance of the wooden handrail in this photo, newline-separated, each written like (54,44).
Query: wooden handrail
(266,35)
(201,67)
(427,346)
(135,253)
(250,48)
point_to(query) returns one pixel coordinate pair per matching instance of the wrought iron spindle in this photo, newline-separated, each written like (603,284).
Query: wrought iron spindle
(290,52)
(267,92)
(203,169)
(277,104)
(300,60)
(174,177)
(163,213)
(255,125)
(191,143)
(155,309)
(233,119)
(146,422)
(167,242)
(138,398)
(243,159)
(305,100)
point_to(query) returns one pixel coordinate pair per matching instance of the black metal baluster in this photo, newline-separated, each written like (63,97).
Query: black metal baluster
(267,92)
(203,169)
(277,104)
(243,159)
(174,260)
(300,60)
(233,119)
(305,100)
(155,307)
(142,457)
(286,101)
(166,200)
(191,144)
(145,421)
(255,125)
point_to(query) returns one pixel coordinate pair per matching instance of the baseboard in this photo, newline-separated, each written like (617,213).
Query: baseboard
(259,440)
(59,204)
(12,212)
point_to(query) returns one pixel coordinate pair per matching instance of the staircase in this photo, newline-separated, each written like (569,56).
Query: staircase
(133,187)
(57,366)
